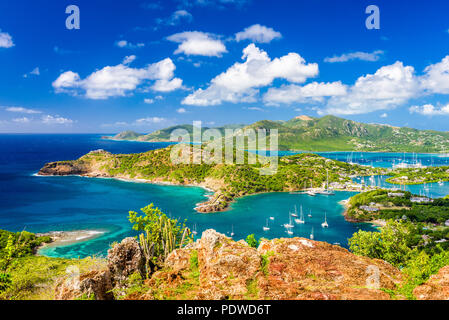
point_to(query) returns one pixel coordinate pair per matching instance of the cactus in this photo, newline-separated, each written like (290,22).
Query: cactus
(161,235)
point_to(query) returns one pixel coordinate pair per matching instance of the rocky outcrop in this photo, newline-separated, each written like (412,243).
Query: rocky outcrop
(293,268)
(95,284)
(63,169)
(436,288)
(124,259)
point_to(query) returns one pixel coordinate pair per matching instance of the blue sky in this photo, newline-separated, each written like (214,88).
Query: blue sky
(144,65)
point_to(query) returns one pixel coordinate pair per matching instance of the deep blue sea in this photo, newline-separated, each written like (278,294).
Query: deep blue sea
(41,204)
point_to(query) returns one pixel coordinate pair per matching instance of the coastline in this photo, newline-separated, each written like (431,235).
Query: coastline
(65,238)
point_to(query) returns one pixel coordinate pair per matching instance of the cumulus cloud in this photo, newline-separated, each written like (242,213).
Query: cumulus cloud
(436,77)
(181,110)
(241,81)
(198,43)
(120,80)
(22,110)
(148,101)
(49,119)
(364,56)
(129,45)
(6,40)
(430,110)
(176,18)
(288,94)
(258,33)
(389,87)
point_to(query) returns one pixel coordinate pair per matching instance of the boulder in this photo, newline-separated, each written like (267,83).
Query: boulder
(124,259)
(95,284)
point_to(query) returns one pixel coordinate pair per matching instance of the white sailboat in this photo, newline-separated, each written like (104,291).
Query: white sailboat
(310,213)
(232,231)
(325,224)
(301,218)
(290,224)
(266,228)
(311,235)
(327,191)
(295,214)
(272,218)
(289,232)
(194,230)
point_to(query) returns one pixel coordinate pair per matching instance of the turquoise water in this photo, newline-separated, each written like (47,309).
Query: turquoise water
(432,190)
(381,159)
(41,204)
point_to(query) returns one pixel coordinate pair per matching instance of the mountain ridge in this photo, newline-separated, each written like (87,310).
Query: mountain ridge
(328,133)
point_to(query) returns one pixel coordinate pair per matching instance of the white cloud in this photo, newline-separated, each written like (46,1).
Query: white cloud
(313,91)
(22,120)
(198,43)
(384,115)
(129,59)
(148,101)
(34,72)
(255,109)
(48,119)
(181,110)
(6,40)
(176,18)
(258,33)
(220,4)
(430,110)
(129,45)
(364,56)
(150,120)
(120,80)
(389,87)
(241,81)
(436,77)
(22,110)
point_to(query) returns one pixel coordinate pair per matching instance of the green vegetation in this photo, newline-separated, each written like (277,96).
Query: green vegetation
(230,181)
(26,276)
(419,176)
(251,241)
(400,244)
(331,133)
(161,235)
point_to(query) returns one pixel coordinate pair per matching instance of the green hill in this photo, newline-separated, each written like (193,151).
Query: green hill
(331,133)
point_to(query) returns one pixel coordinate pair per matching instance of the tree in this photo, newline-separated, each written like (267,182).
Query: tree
(393,243)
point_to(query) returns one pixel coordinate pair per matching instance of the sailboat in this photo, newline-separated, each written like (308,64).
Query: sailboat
(311,235)
(440,183)
(232,231)
(272,218)
(290,224)
(327,191)
(325,224)
(301,218)
(311,192)
(266,228)
(289,232)
(194,230)
(295,214)
(310,213)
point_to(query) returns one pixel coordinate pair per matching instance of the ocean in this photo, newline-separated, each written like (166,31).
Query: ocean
(42,204)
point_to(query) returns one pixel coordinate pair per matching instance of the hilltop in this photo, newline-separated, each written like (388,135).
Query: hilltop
(330,133)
